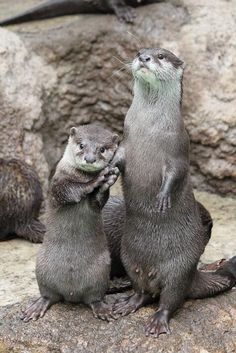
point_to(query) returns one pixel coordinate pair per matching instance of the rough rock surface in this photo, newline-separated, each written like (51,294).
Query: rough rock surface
(203,326)
(62,72)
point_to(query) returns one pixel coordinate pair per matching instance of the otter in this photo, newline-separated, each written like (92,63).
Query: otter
(52,8)
(21,198)
(73,263)
(165,230)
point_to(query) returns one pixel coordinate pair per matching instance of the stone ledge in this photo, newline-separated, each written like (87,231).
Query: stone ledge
(201,326)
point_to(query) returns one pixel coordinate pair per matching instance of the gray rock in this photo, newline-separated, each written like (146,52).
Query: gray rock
(62,72)
(203,326)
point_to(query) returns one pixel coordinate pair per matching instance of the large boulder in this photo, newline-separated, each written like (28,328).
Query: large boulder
(62,72)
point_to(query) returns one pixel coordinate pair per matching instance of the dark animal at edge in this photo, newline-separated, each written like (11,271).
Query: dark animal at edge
(21,198)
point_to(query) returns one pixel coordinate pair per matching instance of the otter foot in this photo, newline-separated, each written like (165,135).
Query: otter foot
(163,202)
(125,14)
(158,324)
(130,304)
(103,311)
(36,310)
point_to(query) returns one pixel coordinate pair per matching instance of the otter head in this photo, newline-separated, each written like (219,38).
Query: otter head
(157,65)
(91,147)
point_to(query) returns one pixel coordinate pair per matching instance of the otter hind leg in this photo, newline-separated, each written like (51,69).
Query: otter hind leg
(103,311)
(37,309)
(172,296)
(33,231)
(158,324)
(207,284)
(131,304)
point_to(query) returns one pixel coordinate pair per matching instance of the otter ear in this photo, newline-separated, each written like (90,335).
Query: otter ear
(115,138)
(73,131)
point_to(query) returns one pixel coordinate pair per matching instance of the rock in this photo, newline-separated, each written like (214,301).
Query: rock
(202,326)
(24,80)
(62,72)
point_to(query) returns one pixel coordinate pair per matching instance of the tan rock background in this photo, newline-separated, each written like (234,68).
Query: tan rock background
(62,72)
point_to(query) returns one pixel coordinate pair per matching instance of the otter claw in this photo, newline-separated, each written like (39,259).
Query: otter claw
(163,202)
(157,325)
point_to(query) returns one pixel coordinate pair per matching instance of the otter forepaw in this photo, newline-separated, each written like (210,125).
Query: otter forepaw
(114,171)
(125,14)
(102,177)
(109,181)
(103,311)
(163,202)
(157,324)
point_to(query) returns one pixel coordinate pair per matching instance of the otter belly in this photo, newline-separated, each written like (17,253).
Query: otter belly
(74,261)
(154,245)
(76,278)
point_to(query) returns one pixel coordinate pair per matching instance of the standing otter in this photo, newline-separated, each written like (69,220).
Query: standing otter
(21,198)
(52,8)
(165,230)
(74,262)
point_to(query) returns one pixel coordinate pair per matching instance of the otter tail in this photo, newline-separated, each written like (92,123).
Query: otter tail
(207,284)
(49,9)
(33,231)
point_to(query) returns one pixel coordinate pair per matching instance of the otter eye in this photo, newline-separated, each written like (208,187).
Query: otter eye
(160,56)
(81,146)
(102,149)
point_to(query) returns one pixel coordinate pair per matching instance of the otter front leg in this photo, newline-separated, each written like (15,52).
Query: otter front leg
(123,12)
(170,181)
(103,192)
(72,192)
(119,158)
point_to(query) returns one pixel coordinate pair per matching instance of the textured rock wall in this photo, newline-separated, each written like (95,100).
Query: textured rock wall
(62,72)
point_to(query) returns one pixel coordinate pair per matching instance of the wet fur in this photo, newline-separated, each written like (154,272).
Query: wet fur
(21,198)
(73,263)
(165,229)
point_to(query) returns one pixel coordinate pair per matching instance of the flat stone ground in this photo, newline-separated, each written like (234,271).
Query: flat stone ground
(17,280)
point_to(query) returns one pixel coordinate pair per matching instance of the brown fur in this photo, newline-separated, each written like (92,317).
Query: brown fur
(21,198)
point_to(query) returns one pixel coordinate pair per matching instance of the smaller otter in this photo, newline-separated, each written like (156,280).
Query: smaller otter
(21,198)
(74,261)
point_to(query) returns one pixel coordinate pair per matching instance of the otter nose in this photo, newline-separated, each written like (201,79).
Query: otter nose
(90,159)
(144,58)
